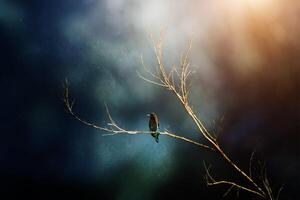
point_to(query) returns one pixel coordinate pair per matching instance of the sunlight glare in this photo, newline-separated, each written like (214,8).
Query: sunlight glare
(154,14)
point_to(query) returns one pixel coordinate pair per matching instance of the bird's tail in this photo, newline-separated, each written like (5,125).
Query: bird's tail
(156,137)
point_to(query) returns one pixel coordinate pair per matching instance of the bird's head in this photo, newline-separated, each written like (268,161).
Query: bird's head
(150,114)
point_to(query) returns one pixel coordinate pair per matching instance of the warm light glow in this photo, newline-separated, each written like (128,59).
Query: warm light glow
(240,6)
(252,3)
(260,3)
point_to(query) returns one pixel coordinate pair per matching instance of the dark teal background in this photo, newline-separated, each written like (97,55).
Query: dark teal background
(46,154)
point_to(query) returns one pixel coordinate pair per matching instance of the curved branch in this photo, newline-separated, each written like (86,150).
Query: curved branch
(210,181)
(177,81)
(114,129)
(181,93)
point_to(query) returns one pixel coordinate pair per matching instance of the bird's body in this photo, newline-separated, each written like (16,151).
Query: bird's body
(153,125)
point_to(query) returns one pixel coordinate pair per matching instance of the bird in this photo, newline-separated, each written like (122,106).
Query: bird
(153,125)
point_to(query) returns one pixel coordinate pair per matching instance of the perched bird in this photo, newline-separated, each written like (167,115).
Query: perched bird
(153,125)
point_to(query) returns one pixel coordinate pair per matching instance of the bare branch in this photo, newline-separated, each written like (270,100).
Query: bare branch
(210,181)
(279,192)
(267,185)
(114,129)
(150,81)
(177,80)
(235,185)
(250,164)
(228,191)
(185,139)
(147,69)
(183,74)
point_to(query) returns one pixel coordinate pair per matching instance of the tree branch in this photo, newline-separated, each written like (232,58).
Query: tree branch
(167,81)
(176,80)
(210,181)
(114,129)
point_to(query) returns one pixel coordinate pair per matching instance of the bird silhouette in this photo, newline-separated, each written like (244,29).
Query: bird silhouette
(153,125)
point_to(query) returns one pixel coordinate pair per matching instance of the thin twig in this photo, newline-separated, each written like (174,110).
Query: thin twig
(114,129)
(210,181)
(177,81)
(169,83)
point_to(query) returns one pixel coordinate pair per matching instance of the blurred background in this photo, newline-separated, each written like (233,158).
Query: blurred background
(246,64)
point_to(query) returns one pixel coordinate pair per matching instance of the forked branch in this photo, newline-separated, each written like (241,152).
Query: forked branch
(210,181)
(177,81)
(112,128)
